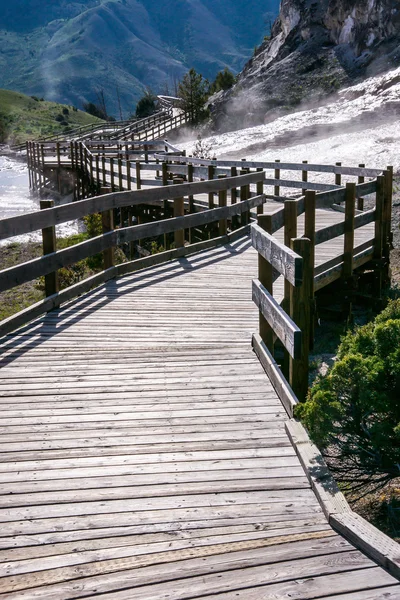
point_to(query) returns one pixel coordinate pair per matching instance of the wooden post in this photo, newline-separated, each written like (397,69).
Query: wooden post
(164,168)
(349,230)
(97,172)
(338,176)
(33,165)
(309,233)
(108,225)
(260,191)
(112,174)
(146,153)
(138,180)
(71,151)
(300,314)
(290,228)
(265,275)
(379,218)
(244,195)
(387,226)
(179,211)
(304,177)
(103,168)
(58,154)
(131,244)
(290,232)
(190,180)
(360,201)
(28,160)
(277,189)
(43,164)
(120,180)
(234,189)
(51,284)
(128,174)
(222,202)
(211,171)
(388,174)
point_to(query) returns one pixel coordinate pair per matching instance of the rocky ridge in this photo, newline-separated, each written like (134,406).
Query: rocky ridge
(315,49)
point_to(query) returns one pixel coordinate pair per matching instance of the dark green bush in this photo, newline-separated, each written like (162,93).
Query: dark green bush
(93,224)
(353,413)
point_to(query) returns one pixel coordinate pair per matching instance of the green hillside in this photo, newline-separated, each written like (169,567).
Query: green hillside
(24,117)
(69,51)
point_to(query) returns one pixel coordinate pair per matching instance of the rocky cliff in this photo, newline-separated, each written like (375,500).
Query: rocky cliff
(315,48)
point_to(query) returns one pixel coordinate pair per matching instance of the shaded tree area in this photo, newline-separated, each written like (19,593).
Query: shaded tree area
(147,105)
(96,111)
(224,81)
(193,91)
(353,413)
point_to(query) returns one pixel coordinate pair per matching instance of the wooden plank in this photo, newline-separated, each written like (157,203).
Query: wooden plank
(207,566)
(44,306)
(288,183)
(169,545)
(203,536)
(338,229)
(377,545)
(325,488)
(346,584)
(149,588)
(275,375)
(282,325)
(379,593)
(283,259)
(287,166)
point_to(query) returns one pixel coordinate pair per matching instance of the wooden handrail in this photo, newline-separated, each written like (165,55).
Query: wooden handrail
(307,167)
(30,222)
(299,310)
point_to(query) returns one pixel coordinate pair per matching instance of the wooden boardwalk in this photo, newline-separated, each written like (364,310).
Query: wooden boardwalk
(144,453)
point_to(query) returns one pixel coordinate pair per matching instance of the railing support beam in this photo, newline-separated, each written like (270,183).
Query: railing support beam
(301,315)
(51,284)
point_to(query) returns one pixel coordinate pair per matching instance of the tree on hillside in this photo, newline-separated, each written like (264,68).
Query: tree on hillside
(96,111)
(193,93)
(223,81)
(146,105)
(353,413)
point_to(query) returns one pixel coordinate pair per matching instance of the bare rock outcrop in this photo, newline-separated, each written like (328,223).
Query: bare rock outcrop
(315,48)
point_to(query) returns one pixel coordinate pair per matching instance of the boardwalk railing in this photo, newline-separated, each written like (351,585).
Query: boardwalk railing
(292,322)
(177,200)
(115,165)
(159,123)
(156,127)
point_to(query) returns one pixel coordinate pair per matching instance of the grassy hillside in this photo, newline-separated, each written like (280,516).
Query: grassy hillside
(24,117)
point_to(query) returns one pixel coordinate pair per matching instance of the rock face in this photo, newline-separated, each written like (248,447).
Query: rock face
(315,48)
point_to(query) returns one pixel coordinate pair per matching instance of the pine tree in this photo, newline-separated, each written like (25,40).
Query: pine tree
(146,105)
(193,93)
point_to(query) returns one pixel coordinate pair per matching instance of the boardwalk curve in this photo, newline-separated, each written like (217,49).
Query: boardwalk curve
(144,451)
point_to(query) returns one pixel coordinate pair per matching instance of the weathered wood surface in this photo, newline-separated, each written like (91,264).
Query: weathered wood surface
(143,451)
(283,326)
(282,258)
